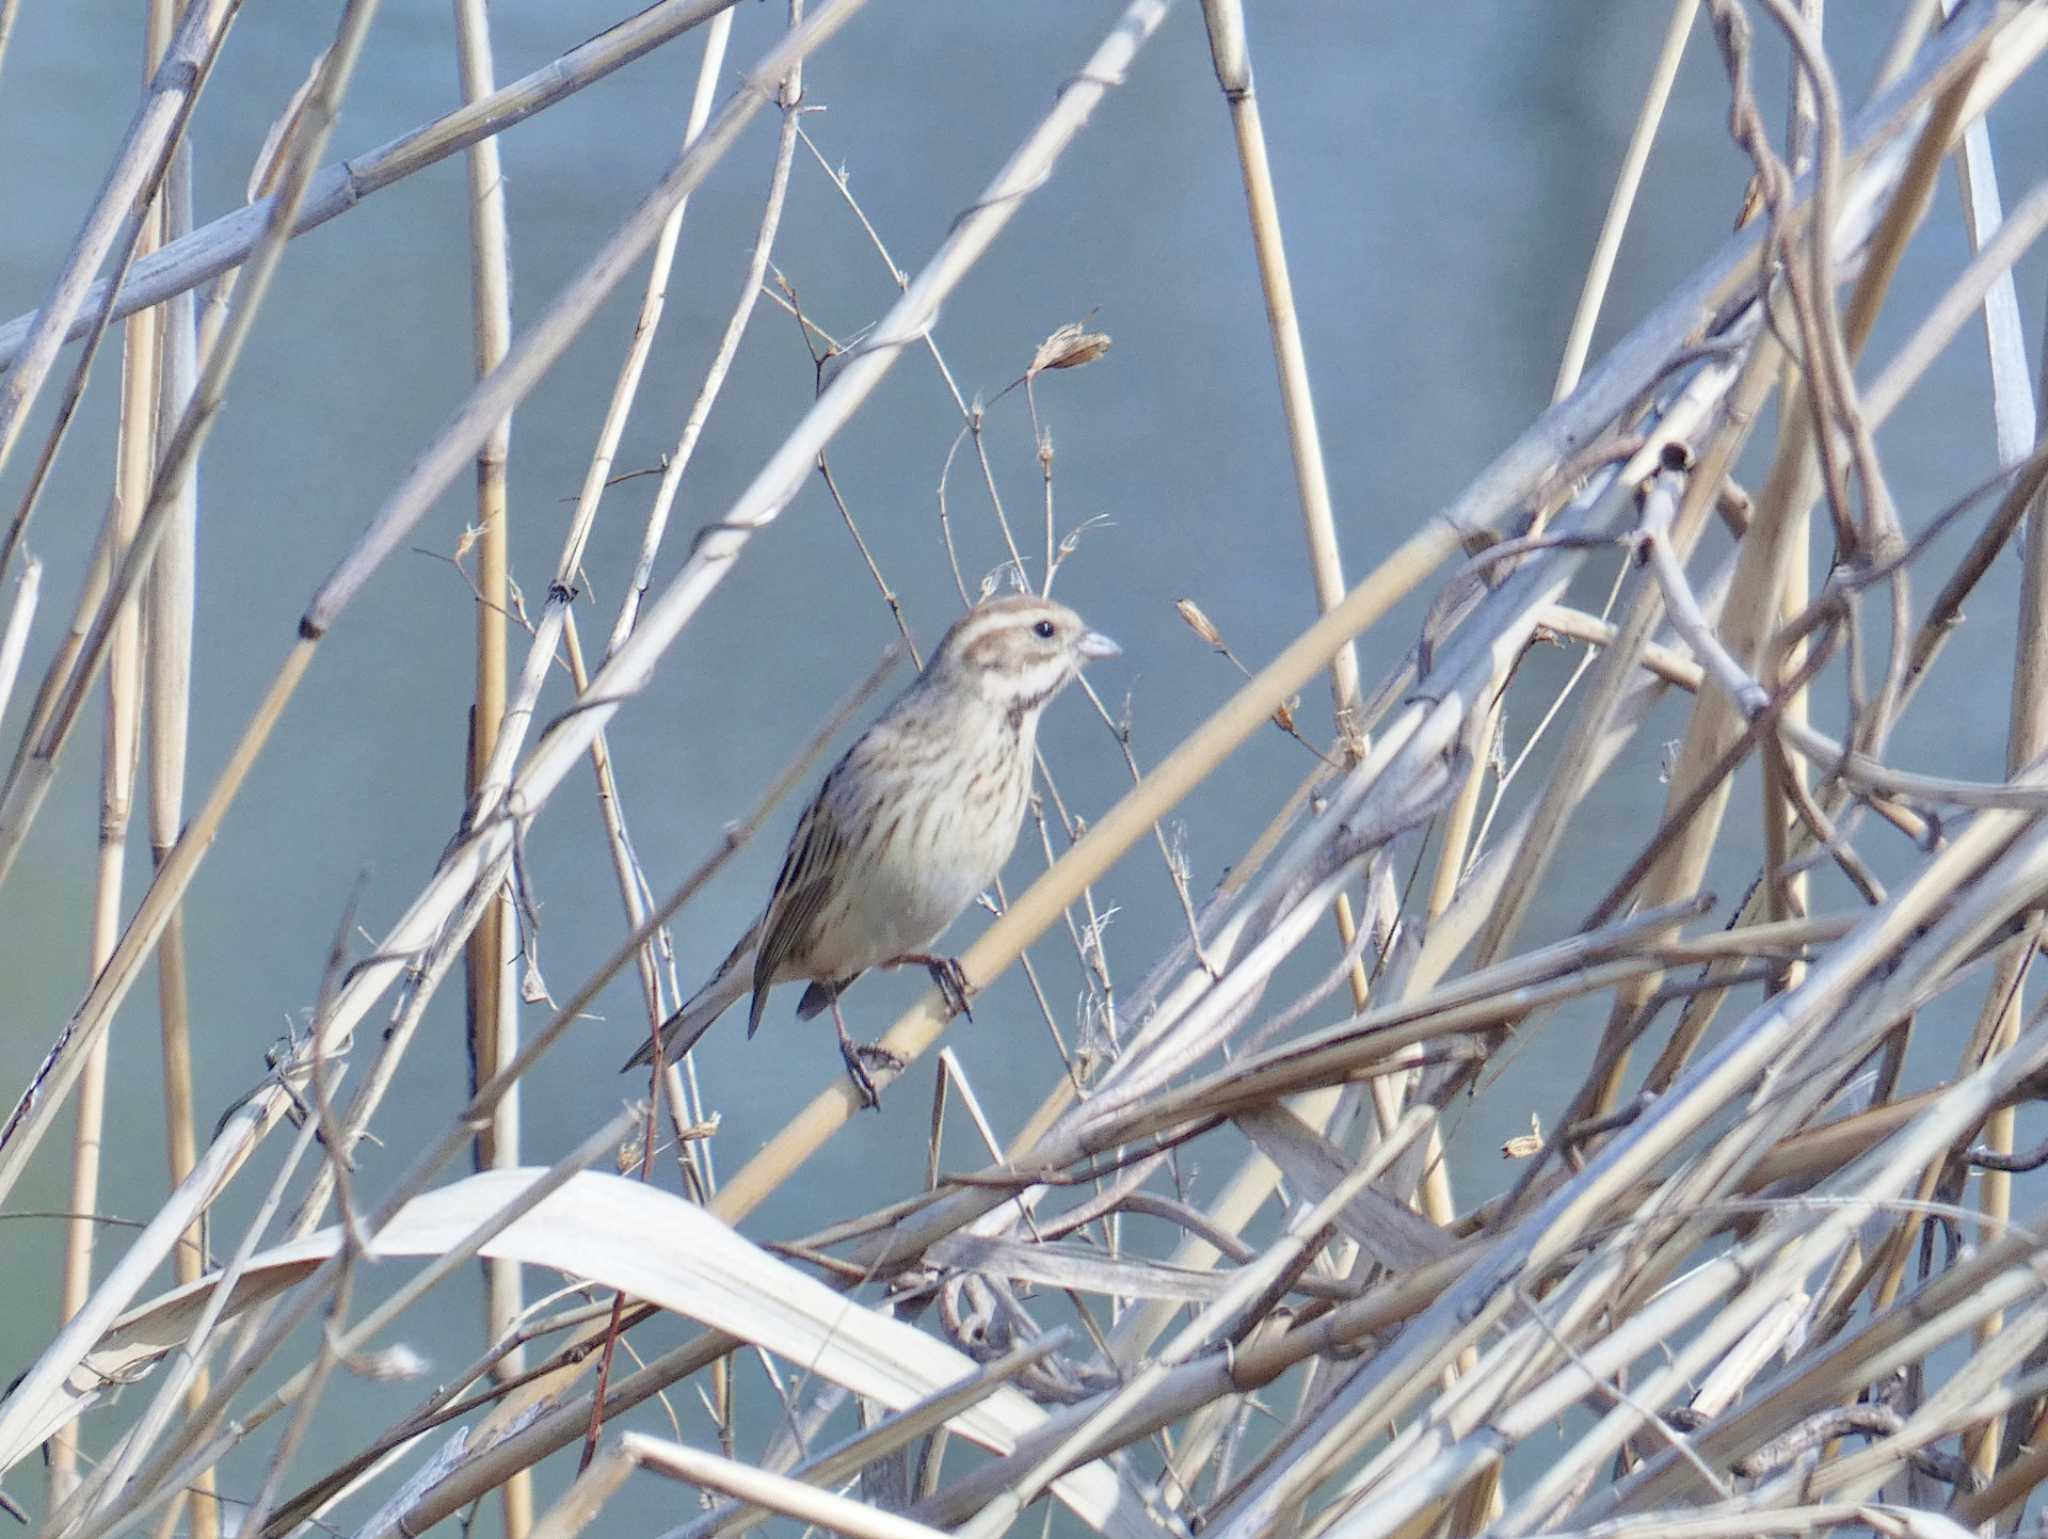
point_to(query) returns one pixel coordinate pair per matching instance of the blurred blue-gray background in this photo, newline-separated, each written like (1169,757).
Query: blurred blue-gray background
(1442,171)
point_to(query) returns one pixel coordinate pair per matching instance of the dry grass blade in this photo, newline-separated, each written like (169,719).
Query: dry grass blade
(773,1493)
(21,614)
(654,1247)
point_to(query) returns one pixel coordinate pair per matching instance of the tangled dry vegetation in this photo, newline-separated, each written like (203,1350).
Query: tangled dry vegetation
(1760,1274)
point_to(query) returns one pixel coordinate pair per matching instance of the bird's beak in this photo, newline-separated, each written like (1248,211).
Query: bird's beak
(1095,645)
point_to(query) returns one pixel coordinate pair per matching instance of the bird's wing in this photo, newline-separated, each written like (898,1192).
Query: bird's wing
(810,873)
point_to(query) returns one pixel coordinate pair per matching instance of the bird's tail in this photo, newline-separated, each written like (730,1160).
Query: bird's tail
(679,1033)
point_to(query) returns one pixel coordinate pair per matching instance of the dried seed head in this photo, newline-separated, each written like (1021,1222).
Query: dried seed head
(1068,348)
(1752,200)
(390,1365)
(533,989)
(1199,623)
(627,1158)
(1523,1145)
(1283,715)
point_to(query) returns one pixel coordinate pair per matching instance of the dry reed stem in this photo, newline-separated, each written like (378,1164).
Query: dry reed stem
(227,242)
(30,781)
(140,164)
(2013,408)
(24,1128)
(1231,55)
(774,1493)
(21,615)
(571,1009)
(2026,740)
(493,1011)
(679,1082)
(790,94)
(971,234)
(1627,182)
(134,453)
(1249,1189)
(895,1430)
(126,1278)
(1391,1380)
(169,603)
(186,1377)
(1565,1293)
(650,315)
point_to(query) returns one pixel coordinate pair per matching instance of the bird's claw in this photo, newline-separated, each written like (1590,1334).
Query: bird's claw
(951,979)
(947,975)
(857,1056)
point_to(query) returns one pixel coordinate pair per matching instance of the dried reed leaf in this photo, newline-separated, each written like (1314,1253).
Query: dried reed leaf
(1386,1229)
(1074,1266)
(651,1245)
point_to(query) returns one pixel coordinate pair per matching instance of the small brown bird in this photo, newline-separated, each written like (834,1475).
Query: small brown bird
(906,830)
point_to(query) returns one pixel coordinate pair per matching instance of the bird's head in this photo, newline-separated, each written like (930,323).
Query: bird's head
(1017,653)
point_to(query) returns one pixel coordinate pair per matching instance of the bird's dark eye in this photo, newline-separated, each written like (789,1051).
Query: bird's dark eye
(1043,630)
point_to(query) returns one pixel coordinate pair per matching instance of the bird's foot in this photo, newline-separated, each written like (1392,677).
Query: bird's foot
(947,975)
(857,1056)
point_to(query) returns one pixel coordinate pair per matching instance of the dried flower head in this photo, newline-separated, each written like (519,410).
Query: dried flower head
(394,1364)
(1752,201)
(1524,1145)
(1068,348)
(1200,623)
(626,1160)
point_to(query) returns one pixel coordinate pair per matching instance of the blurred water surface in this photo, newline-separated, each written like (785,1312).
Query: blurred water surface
(1442,171)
